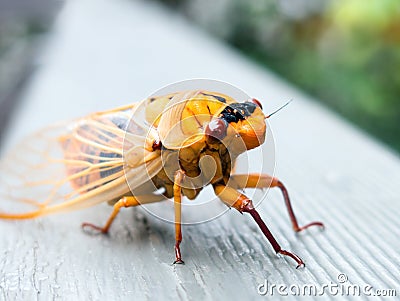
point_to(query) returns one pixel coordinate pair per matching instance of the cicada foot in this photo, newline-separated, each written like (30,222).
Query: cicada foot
(124,202)
(178,256)
(178,213)
(263,227)
(247,206)
(91,229)
(296,258)
(264,181)
(244,205)
(318,224)
(293,218)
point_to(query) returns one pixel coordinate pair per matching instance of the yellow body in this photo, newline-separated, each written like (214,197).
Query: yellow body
(179,142)
(181,124)
(107,155)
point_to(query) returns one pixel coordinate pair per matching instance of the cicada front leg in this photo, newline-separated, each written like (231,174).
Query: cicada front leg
(178,214)
(265,181)
(124,202)
(239,201)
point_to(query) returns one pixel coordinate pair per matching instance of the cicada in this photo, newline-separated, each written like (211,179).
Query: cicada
(143,153)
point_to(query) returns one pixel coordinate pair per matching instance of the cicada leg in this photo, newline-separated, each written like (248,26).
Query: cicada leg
(264,181)
(178,213)
(127,201)
(239,201)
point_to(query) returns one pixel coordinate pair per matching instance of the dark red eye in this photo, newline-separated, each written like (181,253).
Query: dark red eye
(157,145)
(217,128)
(256,102)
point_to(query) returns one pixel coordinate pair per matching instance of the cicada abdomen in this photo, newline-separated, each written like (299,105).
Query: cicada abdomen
(94,150)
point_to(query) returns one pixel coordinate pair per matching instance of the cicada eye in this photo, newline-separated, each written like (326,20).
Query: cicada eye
(217,128)
(256,102)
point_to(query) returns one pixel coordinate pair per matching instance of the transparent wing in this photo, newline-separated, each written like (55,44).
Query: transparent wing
(76,165)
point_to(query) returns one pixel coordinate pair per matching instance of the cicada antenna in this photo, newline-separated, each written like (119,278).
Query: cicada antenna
(268,116)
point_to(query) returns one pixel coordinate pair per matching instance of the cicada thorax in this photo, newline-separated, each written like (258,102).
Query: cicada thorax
(202,165)
(183,119)
(195,103)
(181,122)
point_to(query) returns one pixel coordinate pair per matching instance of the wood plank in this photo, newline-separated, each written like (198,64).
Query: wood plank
(102,54)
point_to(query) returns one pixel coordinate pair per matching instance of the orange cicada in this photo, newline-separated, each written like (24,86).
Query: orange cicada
(163,147)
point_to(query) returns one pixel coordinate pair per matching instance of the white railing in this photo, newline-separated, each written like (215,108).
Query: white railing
(102,54)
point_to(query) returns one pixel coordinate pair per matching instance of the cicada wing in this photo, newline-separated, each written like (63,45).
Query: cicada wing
(76,165)
(28,175)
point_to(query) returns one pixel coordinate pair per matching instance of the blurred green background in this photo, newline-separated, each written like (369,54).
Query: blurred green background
(346,53)
(23,26)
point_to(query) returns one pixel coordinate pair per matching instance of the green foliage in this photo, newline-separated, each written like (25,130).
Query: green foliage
(345,52)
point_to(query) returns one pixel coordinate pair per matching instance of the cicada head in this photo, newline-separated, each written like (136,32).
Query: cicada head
(240,120)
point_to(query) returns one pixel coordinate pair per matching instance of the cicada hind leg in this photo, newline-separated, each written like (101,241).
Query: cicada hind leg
(265,181)
(239,201)
(124,202)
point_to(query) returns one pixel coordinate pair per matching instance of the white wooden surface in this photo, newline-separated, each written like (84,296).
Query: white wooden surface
(102,54)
